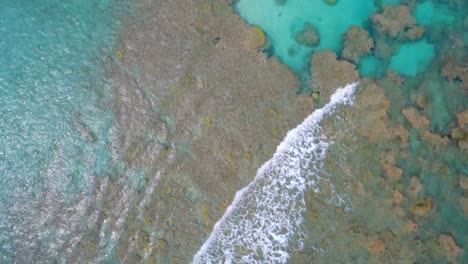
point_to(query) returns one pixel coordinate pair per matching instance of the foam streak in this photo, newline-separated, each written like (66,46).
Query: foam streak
(264,215)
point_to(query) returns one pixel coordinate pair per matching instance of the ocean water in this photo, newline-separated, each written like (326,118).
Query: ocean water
(55,125)
(377,175)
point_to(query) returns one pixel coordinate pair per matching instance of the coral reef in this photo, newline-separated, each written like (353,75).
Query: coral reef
(452,72)
(328,73)
(410,227)
(382,48)
(372,112)
(308,36)
(393,173)
(395,78)
(450,248)
(375,246)
(397,22)
(415,187)
(463,182)
(416,119)
(460,133)
(357,43)
(434,139)
(464,205)
(397,197)
(462,119)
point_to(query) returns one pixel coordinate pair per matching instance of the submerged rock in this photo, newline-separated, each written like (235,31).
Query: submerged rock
(328,73)
(357,43)
(308,36)
(397,21)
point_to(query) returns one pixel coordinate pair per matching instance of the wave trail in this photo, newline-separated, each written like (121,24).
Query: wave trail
(264,215)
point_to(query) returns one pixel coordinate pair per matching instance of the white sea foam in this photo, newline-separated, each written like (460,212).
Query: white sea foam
(264,215)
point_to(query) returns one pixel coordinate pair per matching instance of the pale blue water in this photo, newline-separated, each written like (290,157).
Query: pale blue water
(412,58)
(55,123)
(429,13)
(282,22)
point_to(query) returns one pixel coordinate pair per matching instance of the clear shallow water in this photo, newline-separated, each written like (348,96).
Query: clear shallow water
(282,21)
(55,125)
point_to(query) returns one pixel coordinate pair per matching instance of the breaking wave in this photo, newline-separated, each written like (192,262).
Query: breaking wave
(264,215)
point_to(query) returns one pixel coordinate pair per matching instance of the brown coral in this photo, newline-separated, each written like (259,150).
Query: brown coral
(434,139)
(328,73)
(416,119)
(392,172)
(462,119)
(451,249)
(397,21)
(374,104)
(460,133)
(464,205)
(395,78)
(357,43)
(410,227)
(415,186)
(397,197)
(451,71)
(308,36)
(375,246)
(463,182)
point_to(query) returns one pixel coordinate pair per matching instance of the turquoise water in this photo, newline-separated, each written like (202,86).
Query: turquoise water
(412,58)
(282,21)
(55,123)
(412,73)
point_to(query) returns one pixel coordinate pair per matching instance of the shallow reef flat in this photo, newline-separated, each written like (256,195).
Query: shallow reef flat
(200,93)
(200,108)
(400,151)
(223,95)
